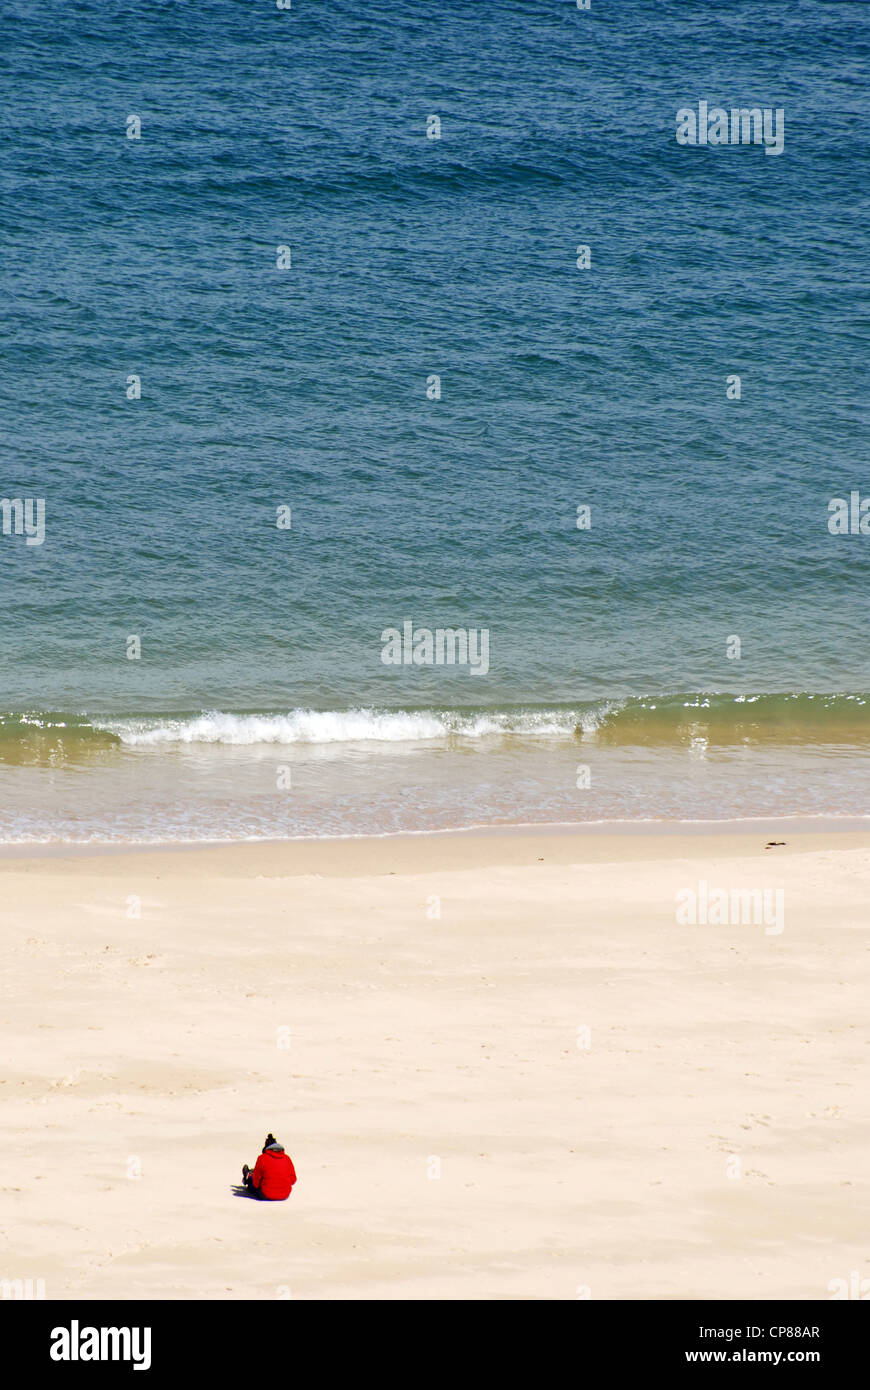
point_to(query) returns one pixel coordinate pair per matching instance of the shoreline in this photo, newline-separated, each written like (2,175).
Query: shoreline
(569,843)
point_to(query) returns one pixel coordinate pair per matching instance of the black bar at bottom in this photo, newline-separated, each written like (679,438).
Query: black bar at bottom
(269,1337)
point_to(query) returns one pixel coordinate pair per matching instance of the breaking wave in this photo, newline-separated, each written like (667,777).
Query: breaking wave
(662,720)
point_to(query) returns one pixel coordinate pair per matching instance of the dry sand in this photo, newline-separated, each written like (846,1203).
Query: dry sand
(710,1141)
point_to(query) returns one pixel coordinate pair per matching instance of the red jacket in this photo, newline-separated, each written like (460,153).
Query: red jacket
(274,1176)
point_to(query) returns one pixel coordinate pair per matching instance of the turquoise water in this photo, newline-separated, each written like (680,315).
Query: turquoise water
(306,388)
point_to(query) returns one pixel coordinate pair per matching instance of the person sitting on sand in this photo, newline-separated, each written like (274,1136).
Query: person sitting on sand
(274,1175)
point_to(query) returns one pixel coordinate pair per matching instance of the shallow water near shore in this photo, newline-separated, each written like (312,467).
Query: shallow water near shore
(257,776)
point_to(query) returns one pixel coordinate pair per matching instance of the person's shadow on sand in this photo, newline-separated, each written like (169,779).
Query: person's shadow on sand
(239,1190)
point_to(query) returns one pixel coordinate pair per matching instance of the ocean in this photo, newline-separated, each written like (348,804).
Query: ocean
(331,330)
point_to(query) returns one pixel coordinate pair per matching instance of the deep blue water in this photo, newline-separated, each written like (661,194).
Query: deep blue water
(412,257)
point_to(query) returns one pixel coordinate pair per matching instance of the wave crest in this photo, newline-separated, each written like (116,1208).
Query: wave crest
(724,720)
(338,726)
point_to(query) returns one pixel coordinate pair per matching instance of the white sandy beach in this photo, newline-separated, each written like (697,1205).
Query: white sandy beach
(711,1140)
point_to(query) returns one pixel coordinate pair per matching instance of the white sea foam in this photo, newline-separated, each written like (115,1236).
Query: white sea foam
(339,726)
